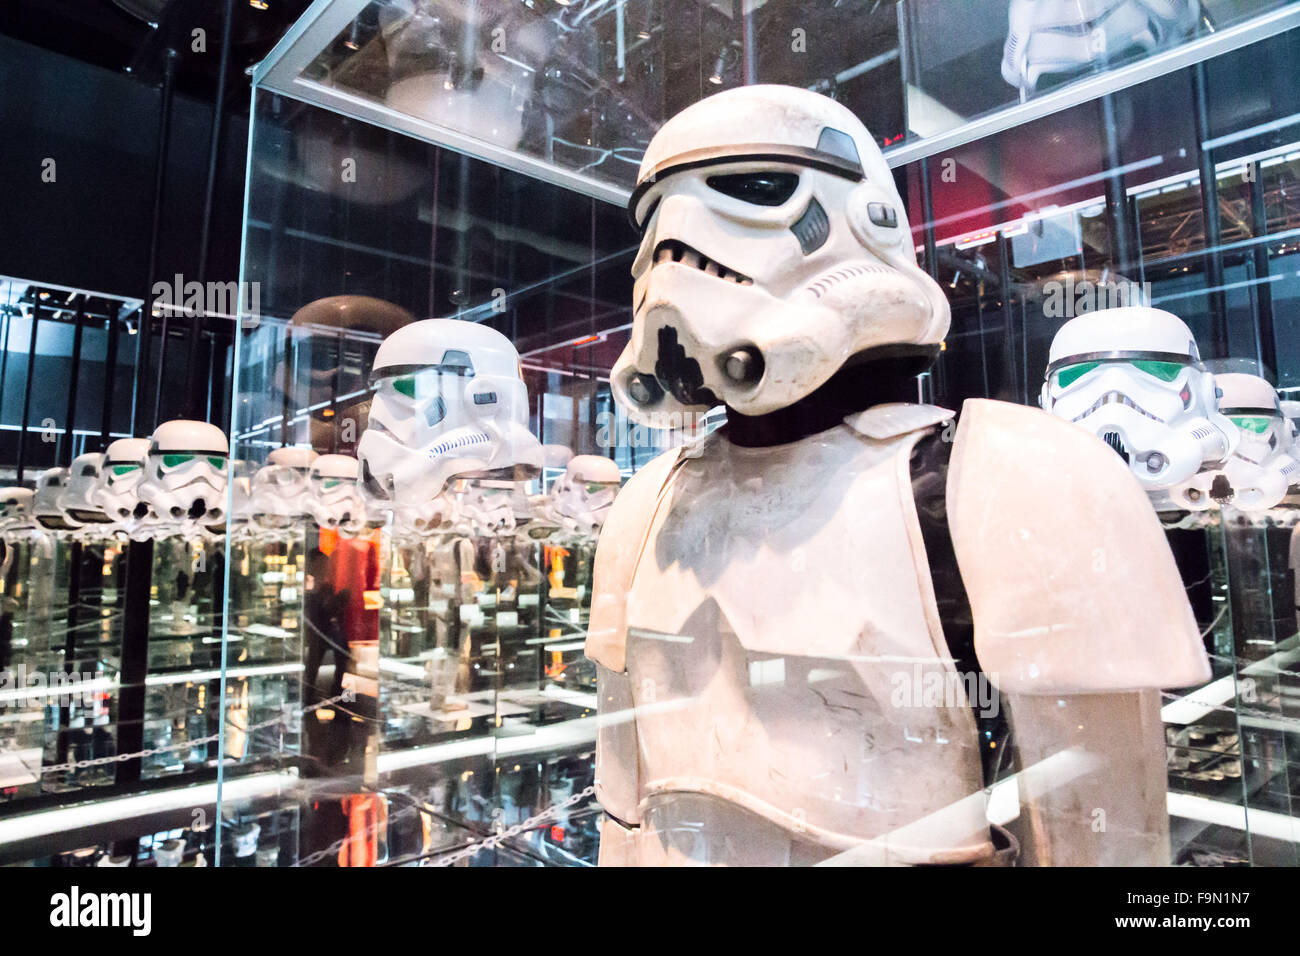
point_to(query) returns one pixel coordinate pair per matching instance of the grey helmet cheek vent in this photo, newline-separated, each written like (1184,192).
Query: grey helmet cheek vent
(812,229)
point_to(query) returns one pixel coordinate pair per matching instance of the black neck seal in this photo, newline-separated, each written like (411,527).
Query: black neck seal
(874,377)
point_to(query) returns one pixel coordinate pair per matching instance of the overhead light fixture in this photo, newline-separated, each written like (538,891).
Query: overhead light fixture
(351,41)
(725,61)
(259,4)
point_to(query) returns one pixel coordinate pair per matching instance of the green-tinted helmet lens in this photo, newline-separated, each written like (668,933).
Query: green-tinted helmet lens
(332,482)
(217,462)
(595,487)
(125,469)
(1072,373)
(405,385)
(1255,424)
(175,461)
(1165,371)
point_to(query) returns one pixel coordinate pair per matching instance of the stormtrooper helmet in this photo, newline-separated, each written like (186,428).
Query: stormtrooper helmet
(16,510)
(78,498)
(334,493)
(117,494)
(581,499)
(46,506)
(450,400)
(1262,466)
(185,477)
(775,251)
(1068,36)
(1133,377)
(280,489)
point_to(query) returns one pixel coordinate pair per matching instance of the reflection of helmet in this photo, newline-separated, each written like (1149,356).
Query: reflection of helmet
(450,401)
(78,498)
(185,478)
(1067,36)
(50,487)
(1262,467)
(118,493)
(280,489)
(1133,377)
(16,510)
(775,250)
(581,499)
(334,493)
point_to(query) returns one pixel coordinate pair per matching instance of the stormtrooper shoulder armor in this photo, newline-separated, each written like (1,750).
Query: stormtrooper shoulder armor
(621,544)
(1071,582)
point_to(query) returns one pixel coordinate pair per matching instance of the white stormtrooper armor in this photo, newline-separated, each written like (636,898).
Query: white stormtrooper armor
(334,494)
(78,498)
(450,401)
(1262,466)
(16,511)
(185,476)
(1069,36)
(757,608)
(1133,377)
(125,465)
(794,255)
(581,499)
(280,489)
(46,506)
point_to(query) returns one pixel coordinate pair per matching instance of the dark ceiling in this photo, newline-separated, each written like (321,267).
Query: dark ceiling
(132,36)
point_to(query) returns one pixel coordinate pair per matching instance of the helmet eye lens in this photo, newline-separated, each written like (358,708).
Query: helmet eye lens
(125,469)
(216,462)
(175,461)
(405,386)
(1255,424)
(1165,371)
(1072,373)
(759,189)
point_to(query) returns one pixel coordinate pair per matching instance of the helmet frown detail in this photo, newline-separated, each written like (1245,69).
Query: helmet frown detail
(775,248)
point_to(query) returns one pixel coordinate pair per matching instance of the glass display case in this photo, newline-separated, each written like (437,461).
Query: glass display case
(414,159)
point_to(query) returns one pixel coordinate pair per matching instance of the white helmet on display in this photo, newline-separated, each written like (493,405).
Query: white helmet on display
(581,499)
(1262,466)
(775,251)
(1068,36)
(16,511)
(280,490)
(46,507)
(1133,377)
(334,493)
(78,498)
(493,507)
(450,401)
(124,468)
(185,478)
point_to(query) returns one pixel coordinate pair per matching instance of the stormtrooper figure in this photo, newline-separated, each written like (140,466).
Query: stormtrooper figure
(185,475)
(1263,466)
(280,490)
(78,498)
(124,468)
(47,507)
(16,517)
(1069,36)
(581,499)
(450,402)
(770,601)
(1133,377)
(334,499)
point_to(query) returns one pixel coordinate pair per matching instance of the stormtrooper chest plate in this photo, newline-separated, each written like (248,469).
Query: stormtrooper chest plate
(781,630)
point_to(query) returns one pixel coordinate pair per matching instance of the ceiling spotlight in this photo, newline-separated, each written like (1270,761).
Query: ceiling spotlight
(351,41)
(725,61)
(259,4)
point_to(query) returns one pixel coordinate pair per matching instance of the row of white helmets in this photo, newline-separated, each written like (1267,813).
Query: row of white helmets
(1194,439)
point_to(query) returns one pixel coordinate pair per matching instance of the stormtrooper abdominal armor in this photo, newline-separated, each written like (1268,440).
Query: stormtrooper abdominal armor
(1132,376)
(762,610)
(449,402)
